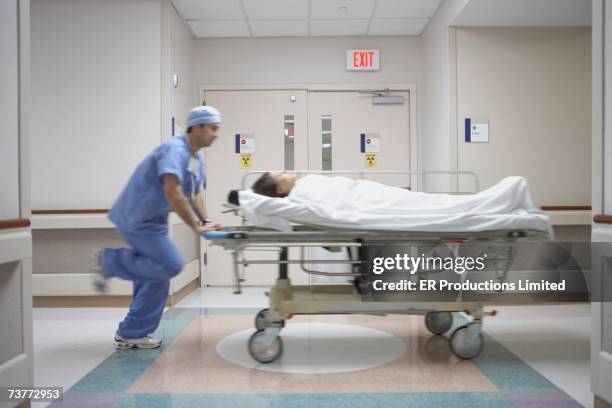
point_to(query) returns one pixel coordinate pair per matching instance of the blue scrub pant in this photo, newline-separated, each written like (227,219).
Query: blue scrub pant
(150,264)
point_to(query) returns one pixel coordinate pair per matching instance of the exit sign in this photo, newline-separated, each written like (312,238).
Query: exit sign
(362,60)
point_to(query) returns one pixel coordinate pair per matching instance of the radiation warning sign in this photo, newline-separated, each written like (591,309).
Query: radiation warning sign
(370,160)
(246,160)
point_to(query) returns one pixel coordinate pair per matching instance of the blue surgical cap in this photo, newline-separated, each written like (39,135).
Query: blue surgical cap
(202,115)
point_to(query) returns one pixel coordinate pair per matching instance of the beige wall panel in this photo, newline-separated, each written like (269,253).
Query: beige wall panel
(534,87)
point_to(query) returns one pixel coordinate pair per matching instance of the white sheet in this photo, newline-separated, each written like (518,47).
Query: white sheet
(342,202)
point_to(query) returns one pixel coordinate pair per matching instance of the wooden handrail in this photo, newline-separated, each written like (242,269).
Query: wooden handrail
(566,208)
(14,223)
(602,219)
(67,212)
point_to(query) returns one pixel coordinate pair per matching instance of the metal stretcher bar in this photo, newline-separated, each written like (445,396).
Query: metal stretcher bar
(332,235)
(248,236)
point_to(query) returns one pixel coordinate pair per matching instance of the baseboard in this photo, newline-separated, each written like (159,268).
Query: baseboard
(184,291)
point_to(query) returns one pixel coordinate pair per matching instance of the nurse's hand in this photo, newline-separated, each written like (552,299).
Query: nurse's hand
(200,229)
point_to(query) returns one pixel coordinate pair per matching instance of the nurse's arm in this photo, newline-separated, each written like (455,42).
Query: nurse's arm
(173,191)
(199,207)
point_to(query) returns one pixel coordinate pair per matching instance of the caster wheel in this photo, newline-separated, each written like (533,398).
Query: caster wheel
(438,322)
(261,319)
(262,352)
(467,341)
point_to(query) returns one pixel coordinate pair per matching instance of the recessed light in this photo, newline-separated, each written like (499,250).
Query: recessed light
(343,9)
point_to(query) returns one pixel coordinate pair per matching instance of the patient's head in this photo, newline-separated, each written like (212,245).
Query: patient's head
(274,184)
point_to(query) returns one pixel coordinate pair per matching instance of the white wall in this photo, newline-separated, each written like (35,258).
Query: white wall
(9,111)
(95,97)
(436,139)
(534,86)
(303,60)
(178,49)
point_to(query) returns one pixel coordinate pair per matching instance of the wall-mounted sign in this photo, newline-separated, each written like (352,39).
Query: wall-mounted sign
(370,160)
(369,142)
(362,60)
(476,130)
(245,143)
(246,160)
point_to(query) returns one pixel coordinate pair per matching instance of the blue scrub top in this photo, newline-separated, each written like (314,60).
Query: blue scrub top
(142,206)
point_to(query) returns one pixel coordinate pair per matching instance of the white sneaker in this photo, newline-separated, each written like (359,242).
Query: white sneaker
(146,342)
(98,279)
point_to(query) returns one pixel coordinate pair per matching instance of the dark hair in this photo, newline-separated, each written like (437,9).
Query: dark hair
(266,185)
(233,198)
(190,128)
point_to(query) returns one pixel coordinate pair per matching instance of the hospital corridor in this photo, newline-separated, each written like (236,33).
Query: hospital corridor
(305,203)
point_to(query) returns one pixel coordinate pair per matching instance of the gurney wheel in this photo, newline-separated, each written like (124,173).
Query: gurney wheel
(467,341)
(261,319)
(438,322)
(262,352)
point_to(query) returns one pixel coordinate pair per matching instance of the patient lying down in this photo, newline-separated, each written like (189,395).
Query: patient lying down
(346,203)
(510,194)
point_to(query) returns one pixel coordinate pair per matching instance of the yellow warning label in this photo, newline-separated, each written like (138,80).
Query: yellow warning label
(246,160)
(370,160)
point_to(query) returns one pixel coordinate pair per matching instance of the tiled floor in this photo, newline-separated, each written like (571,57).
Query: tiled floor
(551,341)
(68,343)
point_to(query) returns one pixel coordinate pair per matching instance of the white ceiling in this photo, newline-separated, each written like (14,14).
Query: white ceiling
(281,18)
(525,13)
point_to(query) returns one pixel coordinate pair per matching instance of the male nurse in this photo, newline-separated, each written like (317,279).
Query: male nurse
(170,178)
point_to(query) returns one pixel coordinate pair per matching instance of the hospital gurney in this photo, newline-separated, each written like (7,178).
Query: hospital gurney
(286,300)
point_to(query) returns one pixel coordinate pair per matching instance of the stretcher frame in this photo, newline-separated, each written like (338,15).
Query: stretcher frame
(286,300)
